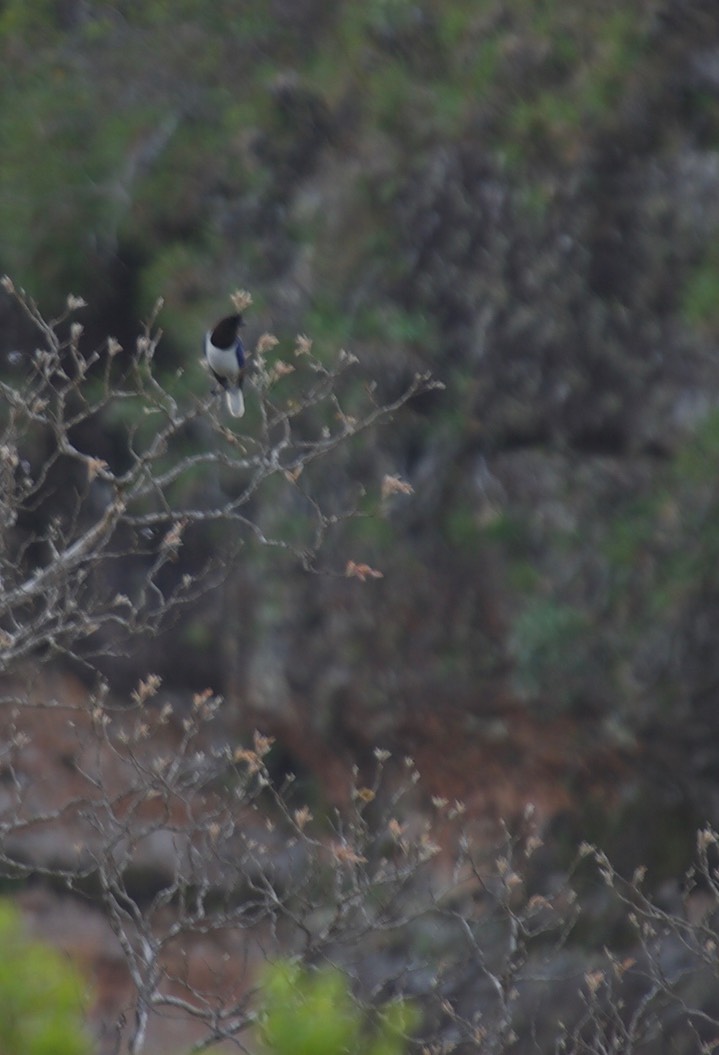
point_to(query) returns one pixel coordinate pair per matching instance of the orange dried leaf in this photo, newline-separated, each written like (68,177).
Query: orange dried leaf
(242,754)
(201,698)
(293,475)
(95,466)
(395,485)
(361,571)
(281,369)
(346,855)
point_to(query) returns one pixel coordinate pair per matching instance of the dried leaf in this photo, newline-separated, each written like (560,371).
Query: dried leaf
(361,571)
(280,369)
(95,466)
(302,817)
(265,344)
(243,754)
(293,475)
(346,855)
(395,485)
(593,980)
(147,688)
(262,743)
(173,538)
(241,300)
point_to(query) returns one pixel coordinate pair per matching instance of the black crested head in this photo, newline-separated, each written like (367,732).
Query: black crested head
(225,332)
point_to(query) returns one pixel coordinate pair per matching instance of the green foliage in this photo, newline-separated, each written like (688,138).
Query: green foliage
(93,142)
(462,527)
(40,996)
(313,1013)
(665,546)
(173,274)
(371,537)
(100,153)
(698,459)
(51,180)
(700,295)
(547,645)
(31,21)
(621,42)
(590,56)
(388,323)
(638,573)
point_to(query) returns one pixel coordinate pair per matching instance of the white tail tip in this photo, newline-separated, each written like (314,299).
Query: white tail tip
(235,402)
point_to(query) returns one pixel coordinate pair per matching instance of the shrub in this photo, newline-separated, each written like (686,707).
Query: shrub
(41,996)
(313,1013)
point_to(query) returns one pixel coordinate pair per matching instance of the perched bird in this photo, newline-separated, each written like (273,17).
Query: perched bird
(225,356)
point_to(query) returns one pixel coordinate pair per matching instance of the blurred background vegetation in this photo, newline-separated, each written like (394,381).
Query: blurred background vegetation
(523,198)
(41,995)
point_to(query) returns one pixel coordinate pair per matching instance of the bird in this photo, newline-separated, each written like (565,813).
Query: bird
(225,355)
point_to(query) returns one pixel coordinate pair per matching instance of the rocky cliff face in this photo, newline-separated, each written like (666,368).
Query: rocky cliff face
(549,258)
(522,201)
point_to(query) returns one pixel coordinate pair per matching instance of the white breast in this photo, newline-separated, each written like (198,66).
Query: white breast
(222,360)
